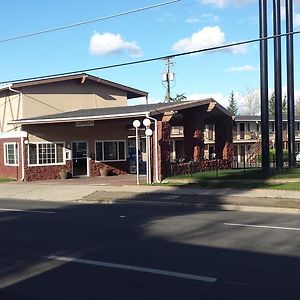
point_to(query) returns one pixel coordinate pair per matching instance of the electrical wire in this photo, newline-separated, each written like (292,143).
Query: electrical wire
(88,21)
(153,58)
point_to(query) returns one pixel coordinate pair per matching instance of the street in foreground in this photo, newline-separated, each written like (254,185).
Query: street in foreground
(126,251)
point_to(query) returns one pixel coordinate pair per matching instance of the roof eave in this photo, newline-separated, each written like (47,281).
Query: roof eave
(75,119)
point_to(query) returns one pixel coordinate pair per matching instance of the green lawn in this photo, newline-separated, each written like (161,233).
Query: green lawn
(239,174)
(4,179)
(239,179)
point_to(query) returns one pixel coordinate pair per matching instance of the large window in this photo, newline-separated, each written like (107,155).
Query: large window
(11,157)
(46,153)
(110,150)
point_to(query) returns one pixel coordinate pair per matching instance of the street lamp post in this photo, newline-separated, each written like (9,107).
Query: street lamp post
(136,125)
(148,132)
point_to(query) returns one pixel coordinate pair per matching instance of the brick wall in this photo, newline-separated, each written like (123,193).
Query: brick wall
(200,166)
(14,172)
(115,168)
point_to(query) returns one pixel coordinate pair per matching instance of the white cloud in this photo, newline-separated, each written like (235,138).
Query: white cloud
(297,20)
(246,68)
(110,43)
(207,37)
(191,20)
(219,97)
(224,3)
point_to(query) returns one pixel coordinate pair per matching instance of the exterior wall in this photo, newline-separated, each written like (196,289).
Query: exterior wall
(14,172)
(67,96)
(10,109)
(68,133)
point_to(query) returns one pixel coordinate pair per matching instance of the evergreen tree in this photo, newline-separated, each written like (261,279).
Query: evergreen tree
(272,104)
(232,107)
(284,106)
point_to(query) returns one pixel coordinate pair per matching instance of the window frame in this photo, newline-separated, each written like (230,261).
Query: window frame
(103,154)
(37,154)
(16,154)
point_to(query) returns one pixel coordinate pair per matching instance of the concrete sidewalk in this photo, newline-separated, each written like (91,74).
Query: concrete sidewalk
(124,188)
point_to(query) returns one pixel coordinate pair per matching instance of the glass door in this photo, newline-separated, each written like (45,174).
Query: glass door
(79,158)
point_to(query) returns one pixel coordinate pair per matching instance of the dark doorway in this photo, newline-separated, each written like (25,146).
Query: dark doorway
(79,157)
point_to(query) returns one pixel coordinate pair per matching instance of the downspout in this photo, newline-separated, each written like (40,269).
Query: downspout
(155,145)
(22,138)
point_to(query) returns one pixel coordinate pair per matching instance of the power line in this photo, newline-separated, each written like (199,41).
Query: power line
(88,21)
(153,59)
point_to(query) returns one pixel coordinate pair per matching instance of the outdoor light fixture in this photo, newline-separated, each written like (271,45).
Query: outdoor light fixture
(148,134)
(146,122)
(136,124)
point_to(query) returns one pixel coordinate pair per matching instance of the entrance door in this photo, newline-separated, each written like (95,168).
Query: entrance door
(79,157)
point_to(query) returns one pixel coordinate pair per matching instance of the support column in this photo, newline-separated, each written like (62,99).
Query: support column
(224,138)
(164,149)
(290,84)
(264,97)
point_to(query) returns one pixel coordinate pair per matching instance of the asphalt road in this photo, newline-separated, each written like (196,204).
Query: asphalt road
(126,251)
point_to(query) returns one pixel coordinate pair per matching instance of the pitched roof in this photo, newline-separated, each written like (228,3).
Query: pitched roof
(131,92)
(118,112)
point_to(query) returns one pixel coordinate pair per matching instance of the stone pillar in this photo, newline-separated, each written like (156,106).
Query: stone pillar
(193,136)
(164,149)
(223,138)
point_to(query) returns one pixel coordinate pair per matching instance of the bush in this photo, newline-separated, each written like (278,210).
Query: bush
(272,156)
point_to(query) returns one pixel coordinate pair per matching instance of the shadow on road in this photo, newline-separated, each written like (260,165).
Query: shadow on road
(248,264)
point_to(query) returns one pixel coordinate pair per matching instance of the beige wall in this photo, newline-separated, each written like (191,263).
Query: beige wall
(10,109)
(67,96)
(68,132)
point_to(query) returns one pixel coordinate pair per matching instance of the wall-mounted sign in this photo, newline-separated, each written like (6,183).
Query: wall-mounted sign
(85,124)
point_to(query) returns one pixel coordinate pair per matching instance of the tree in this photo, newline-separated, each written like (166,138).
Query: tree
(284,106)
(251,101)
(297,106)
(179,97)
(272,104)
(232,107)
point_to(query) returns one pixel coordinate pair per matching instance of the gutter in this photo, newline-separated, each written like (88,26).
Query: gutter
(22,138)
(74,119)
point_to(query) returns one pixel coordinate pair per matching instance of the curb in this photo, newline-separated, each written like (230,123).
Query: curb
(225,207)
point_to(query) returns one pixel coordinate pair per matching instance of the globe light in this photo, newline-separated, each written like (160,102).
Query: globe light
(146,122)
(136,123)
(148,132)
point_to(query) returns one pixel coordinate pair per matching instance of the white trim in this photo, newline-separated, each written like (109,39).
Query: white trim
(114,160)
(16,154)
(13,134)
(37,152)
(74,119)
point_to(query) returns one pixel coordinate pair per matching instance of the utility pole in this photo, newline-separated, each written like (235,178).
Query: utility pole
(167,77)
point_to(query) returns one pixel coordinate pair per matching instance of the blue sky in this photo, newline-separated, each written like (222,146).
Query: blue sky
(179,27)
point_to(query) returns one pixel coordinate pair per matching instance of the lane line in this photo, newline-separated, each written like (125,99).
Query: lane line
(134,268)
(28,211)
(263,226)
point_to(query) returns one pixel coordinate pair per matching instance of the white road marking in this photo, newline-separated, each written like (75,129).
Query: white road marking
(134,268)
(263,226)
(27,211)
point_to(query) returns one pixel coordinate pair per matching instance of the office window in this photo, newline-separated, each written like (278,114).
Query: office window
(46,153)
(110,150)
(11,155)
